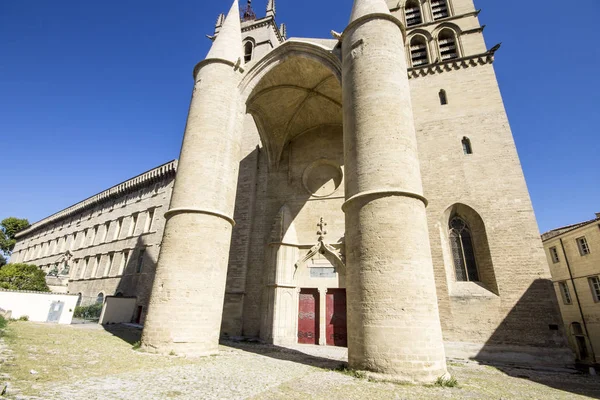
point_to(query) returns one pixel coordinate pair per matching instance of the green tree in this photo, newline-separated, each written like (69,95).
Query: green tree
(8,229)
(2,261)
(23,277)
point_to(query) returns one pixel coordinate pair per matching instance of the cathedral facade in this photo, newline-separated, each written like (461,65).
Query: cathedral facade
(362,190)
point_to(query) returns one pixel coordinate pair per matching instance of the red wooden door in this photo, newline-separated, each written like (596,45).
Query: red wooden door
(336,317)
(308,317)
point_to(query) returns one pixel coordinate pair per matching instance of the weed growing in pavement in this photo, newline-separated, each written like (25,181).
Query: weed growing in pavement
(446,382)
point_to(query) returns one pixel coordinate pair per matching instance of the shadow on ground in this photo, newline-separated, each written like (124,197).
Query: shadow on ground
(127,333)
(567,380)
(284,353)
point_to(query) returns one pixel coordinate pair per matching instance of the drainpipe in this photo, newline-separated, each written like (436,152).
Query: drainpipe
(578,302)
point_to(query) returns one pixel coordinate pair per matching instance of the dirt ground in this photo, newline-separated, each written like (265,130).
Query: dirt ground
(39,361)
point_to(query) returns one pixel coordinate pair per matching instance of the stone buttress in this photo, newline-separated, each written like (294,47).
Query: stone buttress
(185,309)
(393,319)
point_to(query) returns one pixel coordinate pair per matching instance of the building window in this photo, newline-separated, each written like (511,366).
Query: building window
(447,43)
(86,261)
(119,223)
(584,248)
(418,51)
(105,234)
(73,239)
(554,255)
(248,50)
(412,12)
(109,264)
(96,266)
(124,261)
(595,287)
(64,244)
(443,97)
(564,291)
(463,252)
(149,220)
(439,9)
(466,145)
(140,261)
(85,235)
(94,233)
(100,298)
(133,224)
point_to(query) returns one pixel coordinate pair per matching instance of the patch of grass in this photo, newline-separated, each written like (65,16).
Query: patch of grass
(64,354)
(342,369)
(3,322)
(446,382)
(172,353)
(24,318)
(137,345)
(455,364)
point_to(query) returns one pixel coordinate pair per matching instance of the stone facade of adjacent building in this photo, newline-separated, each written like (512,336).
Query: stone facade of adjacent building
(106,245)
(573,253)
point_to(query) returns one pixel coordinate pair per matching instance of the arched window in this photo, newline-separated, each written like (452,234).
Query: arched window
(418,51)
(463,253)
(412,12)
(466,144)
(443,97)
(100,298)
(439,9)
(447,43)
(248,50)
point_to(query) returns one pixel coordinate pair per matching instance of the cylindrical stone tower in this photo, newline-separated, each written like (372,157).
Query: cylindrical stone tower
(186,304)
(393,320)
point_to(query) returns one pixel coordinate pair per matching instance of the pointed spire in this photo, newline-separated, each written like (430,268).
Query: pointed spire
(366,7)
(228,45)
(283,31)
(271,8)
(219,24)
(248,14)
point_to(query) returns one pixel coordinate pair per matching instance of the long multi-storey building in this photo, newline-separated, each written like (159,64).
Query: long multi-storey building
(106,245)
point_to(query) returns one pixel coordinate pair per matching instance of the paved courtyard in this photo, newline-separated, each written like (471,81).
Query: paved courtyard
(88,362)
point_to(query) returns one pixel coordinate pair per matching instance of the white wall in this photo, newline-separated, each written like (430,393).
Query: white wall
(36,305)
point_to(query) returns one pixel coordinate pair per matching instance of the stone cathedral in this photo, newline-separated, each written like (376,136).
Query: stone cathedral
(362,190)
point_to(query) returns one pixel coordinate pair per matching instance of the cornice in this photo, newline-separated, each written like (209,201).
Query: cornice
(451,65)
(149,177)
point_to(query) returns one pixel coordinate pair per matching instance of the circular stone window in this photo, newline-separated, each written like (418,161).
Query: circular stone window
(322,178)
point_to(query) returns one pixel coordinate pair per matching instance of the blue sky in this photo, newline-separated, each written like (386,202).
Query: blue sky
(93,93)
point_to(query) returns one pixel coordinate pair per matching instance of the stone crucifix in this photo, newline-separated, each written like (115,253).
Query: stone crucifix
(321,232)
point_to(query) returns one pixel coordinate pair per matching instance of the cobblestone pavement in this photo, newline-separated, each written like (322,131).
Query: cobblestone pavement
(246,370)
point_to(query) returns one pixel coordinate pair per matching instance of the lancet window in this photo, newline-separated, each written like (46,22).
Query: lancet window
(466,144)
(248,50)
(463,252)
(443,97)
